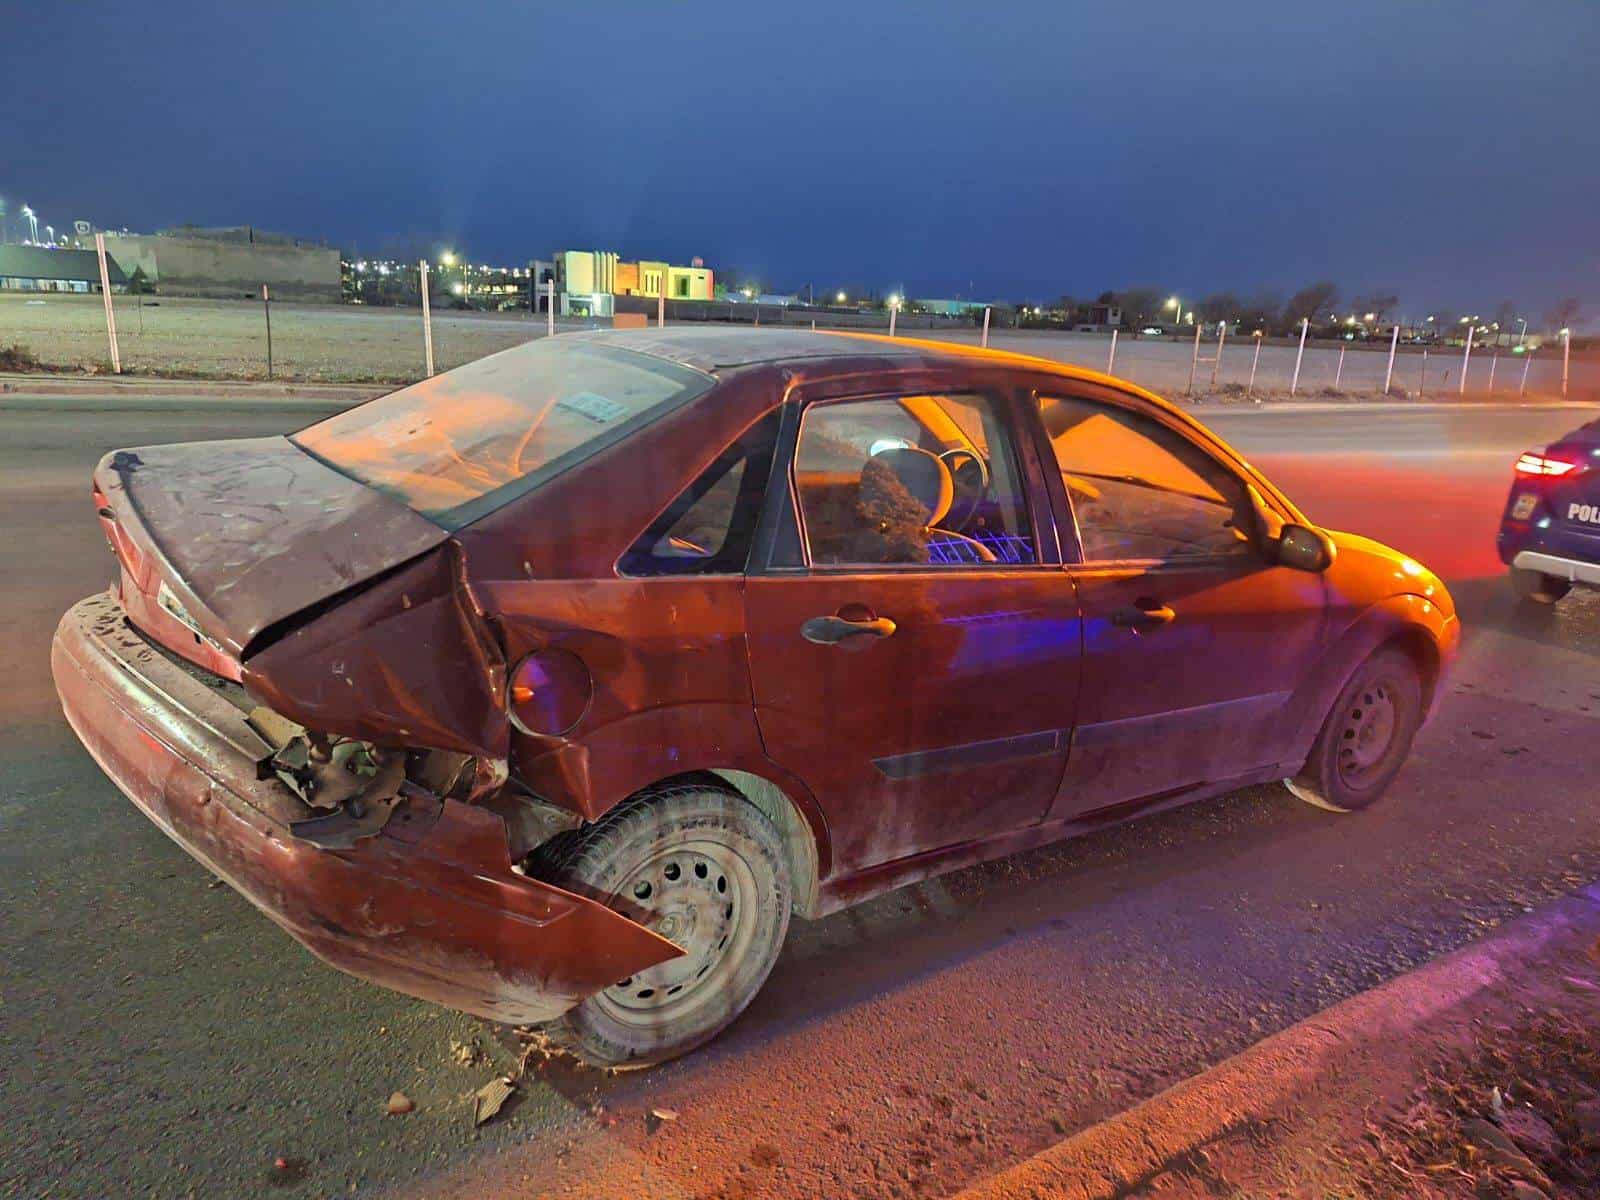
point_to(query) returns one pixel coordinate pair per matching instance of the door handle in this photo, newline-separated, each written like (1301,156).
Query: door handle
(829,631)
(1143,614)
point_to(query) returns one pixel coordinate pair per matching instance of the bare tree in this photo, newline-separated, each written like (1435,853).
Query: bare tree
(1140,305)
(1219,306)
(1380,304)
(1563,313)
(1311,303)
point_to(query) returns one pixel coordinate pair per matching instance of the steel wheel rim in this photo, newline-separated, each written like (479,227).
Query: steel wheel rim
(701,895)
(1367,733)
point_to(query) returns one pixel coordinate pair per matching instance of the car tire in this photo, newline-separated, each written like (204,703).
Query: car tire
(703,867)
(1537,586)
(1365,737)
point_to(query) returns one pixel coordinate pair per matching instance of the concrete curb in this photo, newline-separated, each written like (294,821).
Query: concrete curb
(47,384)
(1115,1157)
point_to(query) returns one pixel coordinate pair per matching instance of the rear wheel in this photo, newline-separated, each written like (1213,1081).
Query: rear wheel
(1366,736)
(701,866)
(1537,586)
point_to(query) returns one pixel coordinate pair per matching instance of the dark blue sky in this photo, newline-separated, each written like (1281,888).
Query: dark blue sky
(1449,151)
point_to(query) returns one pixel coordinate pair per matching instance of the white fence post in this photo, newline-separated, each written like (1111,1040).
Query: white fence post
(1255,361)
(661,300)
(1216,363)
(985,342)
(1422,380)
(1466,357)
(1566,358)
(1527,361)
(1388,376)
(550,308)
(111,312)
(1494,362)
(1338,372)
(1194,359)
(427,321)
(893,309)
(1294,384)
(1111,359)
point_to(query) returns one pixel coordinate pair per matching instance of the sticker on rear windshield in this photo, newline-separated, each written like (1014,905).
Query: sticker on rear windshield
(593,406)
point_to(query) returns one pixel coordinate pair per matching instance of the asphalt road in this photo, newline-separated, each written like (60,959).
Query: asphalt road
(159,1037)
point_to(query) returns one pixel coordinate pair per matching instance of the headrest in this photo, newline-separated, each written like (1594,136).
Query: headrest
(923,475)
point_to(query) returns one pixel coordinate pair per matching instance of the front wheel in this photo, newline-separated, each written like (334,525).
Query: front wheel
(1366,736)
(704,868)
(1537,586)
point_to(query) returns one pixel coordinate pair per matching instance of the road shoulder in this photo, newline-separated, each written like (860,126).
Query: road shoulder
(1294,1115)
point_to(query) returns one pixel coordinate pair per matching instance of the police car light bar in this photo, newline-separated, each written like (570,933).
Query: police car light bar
(1537,464)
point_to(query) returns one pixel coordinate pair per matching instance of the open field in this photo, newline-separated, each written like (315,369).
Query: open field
(327,343)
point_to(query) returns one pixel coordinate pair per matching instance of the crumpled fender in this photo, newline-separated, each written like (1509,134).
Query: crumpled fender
(406,660)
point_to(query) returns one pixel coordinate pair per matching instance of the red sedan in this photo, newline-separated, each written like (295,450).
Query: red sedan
(550,687)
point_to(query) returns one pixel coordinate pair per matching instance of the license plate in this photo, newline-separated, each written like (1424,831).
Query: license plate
(1523,508)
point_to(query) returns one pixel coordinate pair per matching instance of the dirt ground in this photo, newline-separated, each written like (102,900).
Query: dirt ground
(1497,1098)
(227,339)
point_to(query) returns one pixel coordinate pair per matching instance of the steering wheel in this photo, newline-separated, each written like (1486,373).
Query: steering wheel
(963,464)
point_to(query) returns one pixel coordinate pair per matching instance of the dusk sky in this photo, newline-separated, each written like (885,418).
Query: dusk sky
(1450,152)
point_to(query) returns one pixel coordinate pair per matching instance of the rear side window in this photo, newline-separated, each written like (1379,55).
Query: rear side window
(462,444)
(708,529)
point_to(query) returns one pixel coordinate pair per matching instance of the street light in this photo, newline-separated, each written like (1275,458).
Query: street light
(841,298)
(1177,306)
(447,259)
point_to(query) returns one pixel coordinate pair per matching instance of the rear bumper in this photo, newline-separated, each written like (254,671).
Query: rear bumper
(430,906)
(1574,570)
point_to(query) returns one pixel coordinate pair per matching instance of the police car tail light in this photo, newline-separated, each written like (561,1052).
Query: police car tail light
(1537,464)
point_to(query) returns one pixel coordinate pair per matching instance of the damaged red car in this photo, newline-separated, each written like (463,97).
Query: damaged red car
(550,687)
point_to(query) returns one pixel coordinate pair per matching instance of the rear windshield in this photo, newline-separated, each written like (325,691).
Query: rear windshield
(462,444)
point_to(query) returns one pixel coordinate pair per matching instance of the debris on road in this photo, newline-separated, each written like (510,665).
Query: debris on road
(468,1053)
(491,1098)
(661,1116)
(399,1104)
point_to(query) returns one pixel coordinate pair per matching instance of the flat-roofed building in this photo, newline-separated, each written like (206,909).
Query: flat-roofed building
(45,269)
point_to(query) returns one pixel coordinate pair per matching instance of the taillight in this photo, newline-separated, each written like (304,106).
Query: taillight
(549,691)
(1537,464)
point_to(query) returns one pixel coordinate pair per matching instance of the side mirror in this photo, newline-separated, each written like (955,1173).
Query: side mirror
(1305,548)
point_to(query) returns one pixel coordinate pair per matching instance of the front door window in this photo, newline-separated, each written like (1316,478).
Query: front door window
(1141,491)
(911,480)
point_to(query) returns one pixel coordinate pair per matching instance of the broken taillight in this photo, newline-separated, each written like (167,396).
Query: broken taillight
(549,691)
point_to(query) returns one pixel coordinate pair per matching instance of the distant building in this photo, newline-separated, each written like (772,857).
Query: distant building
(226,263)
(43,269)
(1099,318)
(588,279)
(952,308)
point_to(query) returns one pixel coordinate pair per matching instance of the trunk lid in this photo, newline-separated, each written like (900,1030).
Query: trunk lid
(252,532)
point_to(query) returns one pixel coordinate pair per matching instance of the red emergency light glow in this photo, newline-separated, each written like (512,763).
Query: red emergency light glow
(1537,464)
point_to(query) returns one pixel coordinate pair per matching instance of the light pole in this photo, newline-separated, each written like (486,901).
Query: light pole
(1523,332)
(1177,310)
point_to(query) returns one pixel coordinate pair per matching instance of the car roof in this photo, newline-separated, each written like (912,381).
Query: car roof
(723,348)
(720,347)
